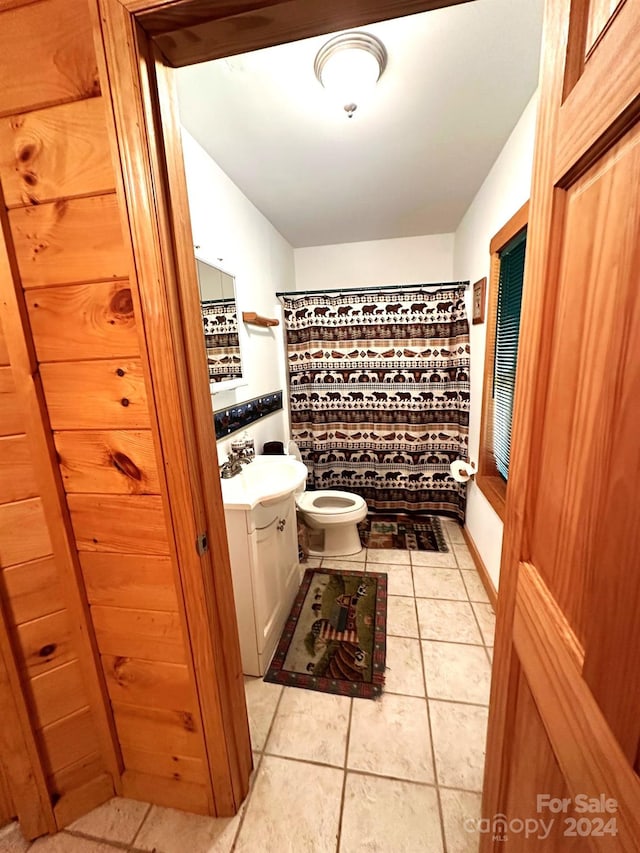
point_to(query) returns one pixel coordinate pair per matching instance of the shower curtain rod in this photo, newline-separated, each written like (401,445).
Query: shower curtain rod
(346,290)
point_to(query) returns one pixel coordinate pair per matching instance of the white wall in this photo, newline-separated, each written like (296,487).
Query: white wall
(505,189)
(232,233)
(405,260)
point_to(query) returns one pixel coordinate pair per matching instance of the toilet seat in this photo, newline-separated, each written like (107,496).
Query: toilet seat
(330,502)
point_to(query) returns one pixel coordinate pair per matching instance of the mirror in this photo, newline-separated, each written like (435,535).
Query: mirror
(220,326)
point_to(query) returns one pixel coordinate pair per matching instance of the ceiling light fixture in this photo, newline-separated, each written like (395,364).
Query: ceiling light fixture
(350,65)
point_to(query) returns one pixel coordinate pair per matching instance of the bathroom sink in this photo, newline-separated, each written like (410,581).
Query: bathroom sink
(265,479)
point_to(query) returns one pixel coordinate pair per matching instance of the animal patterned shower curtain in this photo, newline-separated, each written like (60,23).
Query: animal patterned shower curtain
(379,387)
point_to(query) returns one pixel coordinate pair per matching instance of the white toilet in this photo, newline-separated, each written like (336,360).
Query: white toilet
(335,513)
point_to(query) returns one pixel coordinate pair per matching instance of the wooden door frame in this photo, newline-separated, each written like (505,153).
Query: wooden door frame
(137,42)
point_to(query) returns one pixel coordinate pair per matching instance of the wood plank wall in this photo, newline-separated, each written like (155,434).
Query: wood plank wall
(73,264)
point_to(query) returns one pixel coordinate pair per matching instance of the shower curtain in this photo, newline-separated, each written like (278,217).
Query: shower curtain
(379,390)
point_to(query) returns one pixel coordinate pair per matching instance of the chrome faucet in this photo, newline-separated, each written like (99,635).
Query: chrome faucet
(234,464)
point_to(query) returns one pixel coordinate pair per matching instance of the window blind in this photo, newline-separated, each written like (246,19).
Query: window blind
(506,352)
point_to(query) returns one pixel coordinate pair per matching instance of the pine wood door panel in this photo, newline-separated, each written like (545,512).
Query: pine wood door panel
(606,91)
(76,774)
(61,62)
(4,352)
(17,478)
(537,773)
(599,15)
(146,728)
(55,153)
(11,416)
(162,764)
(148,634)
(57,693)
(568,611)
(82,799)
(24,534)
(594,549)
(83,321)
(129,580)
(69,242)
(148,683)
(126,525)
(174,793)
(108,394)
(110,462)
(69,740)
(45,643)
(32,590)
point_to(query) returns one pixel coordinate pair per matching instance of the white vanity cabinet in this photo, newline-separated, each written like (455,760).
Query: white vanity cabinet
(263,545)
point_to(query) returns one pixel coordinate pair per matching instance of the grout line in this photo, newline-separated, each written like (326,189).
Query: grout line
(245,804)
(344,779)
(458,702)
(261,753)
(142,823)
(431,743)
(305,760)
(115,845)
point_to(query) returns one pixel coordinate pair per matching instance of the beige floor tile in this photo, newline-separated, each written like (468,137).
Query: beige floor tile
(459,735)
(399,580)
(262,699)
(456,672)
(360,557)
(390,737)
(475,587)
(463,556)
(460,811)
(401,616)
(310,725)
(487,620)
(12,839)
(453,530)
(396,556)
(438,559)
(383,815)
(311,563)
(172,831)
(449,621)
(62,842)
(294,807)
(430,582)
(404,667)
(117,820)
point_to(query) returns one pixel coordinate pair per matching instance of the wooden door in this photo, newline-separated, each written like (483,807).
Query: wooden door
(564,726)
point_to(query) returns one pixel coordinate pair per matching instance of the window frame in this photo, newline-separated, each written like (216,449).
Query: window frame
(488,479)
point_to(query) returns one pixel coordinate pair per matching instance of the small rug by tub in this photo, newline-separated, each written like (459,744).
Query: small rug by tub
(335,638)
(413,531)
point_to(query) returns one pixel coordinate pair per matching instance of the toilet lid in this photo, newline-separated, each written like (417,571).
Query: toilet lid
(329,502)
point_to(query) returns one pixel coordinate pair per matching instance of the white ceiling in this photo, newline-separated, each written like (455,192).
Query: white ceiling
(409,162)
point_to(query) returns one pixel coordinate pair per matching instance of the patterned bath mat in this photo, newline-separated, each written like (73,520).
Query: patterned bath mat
(415,532)
(335,637)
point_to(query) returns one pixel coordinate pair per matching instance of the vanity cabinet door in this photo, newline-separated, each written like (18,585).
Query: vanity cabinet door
(275,575)
(268,587)
(289,556)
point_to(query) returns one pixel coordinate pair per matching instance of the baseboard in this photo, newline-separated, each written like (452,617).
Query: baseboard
(485,577)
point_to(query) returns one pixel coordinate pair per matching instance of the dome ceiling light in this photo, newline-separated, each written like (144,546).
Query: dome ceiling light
(349,66)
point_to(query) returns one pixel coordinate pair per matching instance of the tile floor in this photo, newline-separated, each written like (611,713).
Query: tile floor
(398,775)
